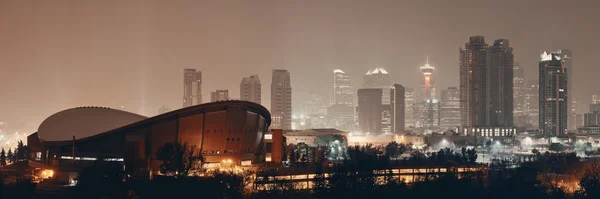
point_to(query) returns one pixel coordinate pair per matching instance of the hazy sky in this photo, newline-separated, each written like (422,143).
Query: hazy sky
(61,54)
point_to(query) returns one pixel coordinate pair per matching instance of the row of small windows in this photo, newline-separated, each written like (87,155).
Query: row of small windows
(224,151)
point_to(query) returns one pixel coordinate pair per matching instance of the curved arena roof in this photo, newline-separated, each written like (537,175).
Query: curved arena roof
(83,122)
(93,122)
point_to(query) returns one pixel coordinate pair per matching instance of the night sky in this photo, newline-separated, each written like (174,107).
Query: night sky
(56,55)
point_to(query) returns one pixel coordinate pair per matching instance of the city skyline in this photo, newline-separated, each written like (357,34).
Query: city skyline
(141,72)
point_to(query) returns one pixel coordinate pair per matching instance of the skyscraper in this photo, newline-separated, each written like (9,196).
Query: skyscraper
(519,96)
(398,108)
(250,89)
(341,112)
(281,100)
(192,87)
(342,88)
(567,59)
(486,83)
(472,62)
(499,86)
(450,108)
(596,98)
(369,110)
(554,102)
(531,109)
(378,78)
(219,95)
(409,101)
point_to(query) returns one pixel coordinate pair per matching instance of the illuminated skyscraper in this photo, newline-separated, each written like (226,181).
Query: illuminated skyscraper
(566,56)
(192,87)
(450,108)
(341,112)
(473,101)
(219,95)
(378,78)
(554,102)
(531,108)
(519,96)
(281,100)
(409,101)
(250,89)
(499,86)
(342,88)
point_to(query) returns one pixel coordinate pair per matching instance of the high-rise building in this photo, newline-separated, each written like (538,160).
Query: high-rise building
(566,58)
(499,86)
(281,100)
(341,112)
(250,89)
(486,83)
(554,102)
(429,111)
(409,101)
(192,87)
(219,95)
(531,108)
(519,96)
(378,78)
(473,101)
(594,107)
(343,91)
(369,110)
(450,108)
(591,119)
(596,98)
(398,108)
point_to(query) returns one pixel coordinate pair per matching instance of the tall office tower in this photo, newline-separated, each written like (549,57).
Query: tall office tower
(499,86)
(219,95)
(315,105)
(192,87)
(427,70)
(429,114)
(398,108)
(250,89)
(594,107)
(554,101)
(591,119)
(281,100)
(342,88)
(409,100)
(596,98)
(450,108)
(473,101)
(519,96)
(566,58)
(378,78)
(531,109)
(341,112)
(369,110)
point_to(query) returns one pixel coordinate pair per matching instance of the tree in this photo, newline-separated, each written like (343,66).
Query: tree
(10,156)
(391,150)
(179,159)
(3,158)
(21,153)
(590,182)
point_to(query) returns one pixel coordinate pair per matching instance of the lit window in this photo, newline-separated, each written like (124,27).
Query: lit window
(218,151)
(268,136)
